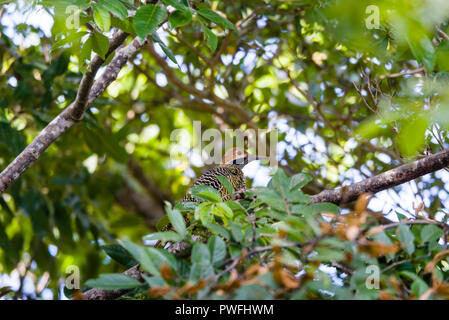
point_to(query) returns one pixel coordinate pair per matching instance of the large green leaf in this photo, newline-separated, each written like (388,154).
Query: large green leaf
(113,281)
(217,19)
(102,17)
(217,248)
(176,219)
(119,254)
(147,19)
(406,238)
(205,192)
(431,232)
(179,18)
(100,44)
(226,184)
(115,7)
(141,255)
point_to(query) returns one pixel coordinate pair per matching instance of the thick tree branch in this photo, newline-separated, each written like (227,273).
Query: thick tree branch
(87,93)
(100,294)
(386,180)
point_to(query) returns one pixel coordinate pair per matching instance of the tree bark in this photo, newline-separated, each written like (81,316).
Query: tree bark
(88,91)
(99,294)
(386,180)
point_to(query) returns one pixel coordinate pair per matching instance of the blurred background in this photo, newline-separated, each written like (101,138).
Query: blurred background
(353,89)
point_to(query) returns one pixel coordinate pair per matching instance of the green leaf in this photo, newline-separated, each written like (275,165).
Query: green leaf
(69,40)
(102,17)
(297,196)
(328,255)
(299,180)
(186,206)
(253,292)
(226,184)
(207,193)
(423,50)
(222,209)
(217,248)
(280,182)
(164,48)
(219,229)
(162,223)
(11,138)
(147,19)
(201,270)
(217,19)
(86,50)
(115,7)
(412,137)
(176,219)
(324,207)
(442,53)
(419,286)
(211,38)
(203,213)
(154,281)
(160,257)
(113,281)
(176,4)
(125,25)
(120,254)
(102,142)
(200,253)
(179,18)
(141,255)
(165,236)
(271,198)
(236,231)
(100,44)
(431,233)
(407,238)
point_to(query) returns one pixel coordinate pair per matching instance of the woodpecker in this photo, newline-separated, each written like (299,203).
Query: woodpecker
(231,168)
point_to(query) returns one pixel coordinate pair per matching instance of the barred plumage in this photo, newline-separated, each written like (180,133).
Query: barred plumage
(231,168)
(231,172)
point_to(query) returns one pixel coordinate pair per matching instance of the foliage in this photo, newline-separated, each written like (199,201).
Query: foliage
(349,102)
(279,246)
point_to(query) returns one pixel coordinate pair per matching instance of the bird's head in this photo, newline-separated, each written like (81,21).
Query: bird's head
(239,157)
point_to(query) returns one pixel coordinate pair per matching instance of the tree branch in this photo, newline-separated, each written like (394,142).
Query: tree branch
(87,93)
(386,180)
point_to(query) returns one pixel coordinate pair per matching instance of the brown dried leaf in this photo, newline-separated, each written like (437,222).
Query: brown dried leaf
(232,284)
(77,295)
(199,286)
(375,230)
(377,249)
(385,295)
(166,272)
(326,227)
(256,269)
(431,265)
(442,288)
(362,203)
(159,291)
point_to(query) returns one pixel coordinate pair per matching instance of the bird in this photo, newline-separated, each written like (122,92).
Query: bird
(231,168)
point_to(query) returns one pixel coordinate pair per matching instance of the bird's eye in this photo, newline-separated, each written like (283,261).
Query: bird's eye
(239,153)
